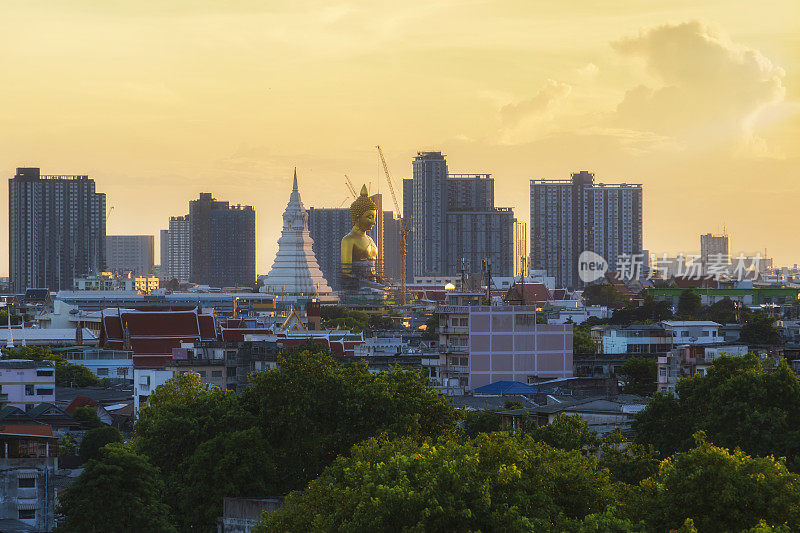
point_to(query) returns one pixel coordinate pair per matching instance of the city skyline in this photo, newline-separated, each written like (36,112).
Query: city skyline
(318,88)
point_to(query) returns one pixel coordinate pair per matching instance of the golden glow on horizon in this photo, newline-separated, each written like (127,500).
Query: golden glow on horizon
(158,101)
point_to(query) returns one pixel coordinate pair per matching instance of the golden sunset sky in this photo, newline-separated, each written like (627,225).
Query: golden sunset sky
(160,100)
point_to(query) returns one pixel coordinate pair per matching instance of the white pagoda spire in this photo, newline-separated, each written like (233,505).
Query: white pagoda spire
(295,270)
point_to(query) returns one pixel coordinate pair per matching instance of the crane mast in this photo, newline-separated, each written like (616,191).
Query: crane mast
(405,229)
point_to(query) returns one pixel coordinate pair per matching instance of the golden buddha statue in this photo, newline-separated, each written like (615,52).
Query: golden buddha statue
(359,252)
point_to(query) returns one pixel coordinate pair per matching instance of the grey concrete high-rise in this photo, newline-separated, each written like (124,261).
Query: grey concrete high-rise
(711,245)
(57,229)
(130,253)
(163,243)
(222,243)
(392,226)
(571,216)
(454,220)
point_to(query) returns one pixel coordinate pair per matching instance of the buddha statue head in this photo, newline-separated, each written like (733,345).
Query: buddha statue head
(362,211)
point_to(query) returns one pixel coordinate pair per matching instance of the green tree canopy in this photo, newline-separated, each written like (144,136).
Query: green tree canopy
(182,414)
(567,432)
(582,342)
(95,439)
(719,491)
(689,304)
(312,409)
(120,491)
(484,421)
(491,483)
(604,294)
(760,330)
(737,403)
(639,375)
(87,416)
(238,464)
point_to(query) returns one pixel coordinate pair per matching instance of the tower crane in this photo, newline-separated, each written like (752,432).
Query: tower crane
(405,229)
(350,186)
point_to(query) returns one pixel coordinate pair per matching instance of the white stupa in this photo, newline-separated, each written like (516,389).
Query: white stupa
(295,271)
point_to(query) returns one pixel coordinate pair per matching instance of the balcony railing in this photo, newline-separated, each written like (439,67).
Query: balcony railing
(445,348)
(454,330)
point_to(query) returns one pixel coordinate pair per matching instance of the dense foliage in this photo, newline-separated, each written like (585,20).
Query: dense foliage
(719,491)
(639,375)
(299,417)
(95,439)
(357,451)
(738,403)
(120,491)
(491,483)
(604,294)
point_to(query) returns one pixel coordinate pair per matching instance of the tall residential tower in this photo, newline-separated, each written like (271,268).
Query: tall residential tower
(57,229)
(571,216)
(454,220)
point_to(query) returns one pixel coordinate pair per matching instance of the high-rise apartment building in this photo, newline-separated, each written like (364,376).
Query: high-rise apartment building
(163,243)
(57,229)
(454,220)
(713,245)
(222,243)
(130,253)
(179,256)
(571,216)
(392,226)
(521,240)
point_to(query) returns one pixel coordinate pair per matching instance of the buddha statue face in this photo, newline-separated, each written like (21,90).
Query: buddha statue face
(363,212)
(366,221)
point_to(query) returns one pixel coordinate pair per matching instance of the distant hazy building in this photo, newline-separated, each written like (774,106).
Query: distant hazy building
(130,252)
(454,219)
(222,243)
(163,243)
(571,216)
(392,226)
(521,239)
(179,257)
(57,229)
(713,245)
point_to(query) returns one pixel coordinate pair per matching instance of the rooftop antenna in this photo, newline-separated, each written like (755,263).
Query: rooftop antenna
(10,342)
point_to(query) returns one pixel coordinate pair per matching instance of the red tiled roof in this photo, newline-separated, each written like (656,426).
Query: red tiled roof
(155,332)
(237,334)
(80,401)
(27,430)
(528,293)
(150,361)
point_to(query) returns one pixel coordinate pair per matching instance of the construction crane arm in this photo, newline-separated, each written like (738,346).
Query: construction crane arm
(389,181)
(350,186)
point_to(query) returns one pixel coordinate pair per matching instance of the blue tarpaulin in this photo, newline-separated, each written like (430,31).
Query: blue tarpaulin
(502,388)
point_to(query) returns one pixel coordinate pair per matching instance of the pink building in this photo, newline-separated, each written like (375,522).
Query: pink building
(506,343)
(25,383)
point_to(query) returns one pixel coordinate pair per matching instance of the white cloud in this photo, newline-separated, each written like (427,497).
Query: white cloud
(712,91)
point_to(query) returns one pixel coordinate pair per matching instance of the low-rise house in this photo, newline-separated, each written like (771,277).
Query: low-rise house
(633,339)
(690,360)
(693,331)
(27,466)
(603,414)
(25,383)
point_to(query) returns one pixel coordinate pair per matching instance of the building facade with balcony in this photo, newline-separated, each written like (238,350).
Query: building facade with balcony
(481,344)
(27,470)
(26,384)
